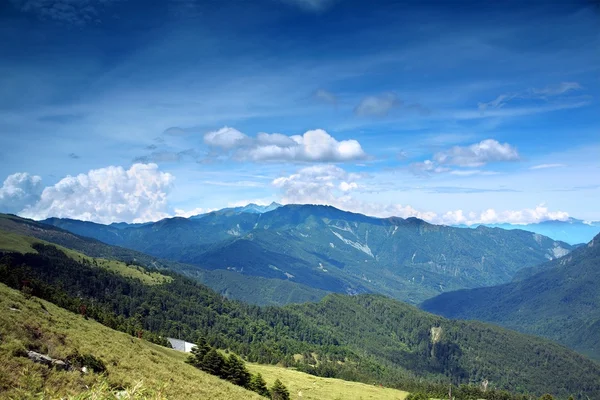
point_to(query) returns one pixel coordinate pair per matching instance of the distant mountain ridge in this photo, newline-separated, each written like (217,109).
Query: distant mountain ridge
(334,250)
(560,300)
(572,230)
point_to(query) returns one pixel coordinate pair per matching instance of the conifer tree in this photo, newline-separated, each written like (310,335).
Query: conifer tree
(198,352)
(236,372)
(547,397)
(214,363)
(258,385)
(279,391)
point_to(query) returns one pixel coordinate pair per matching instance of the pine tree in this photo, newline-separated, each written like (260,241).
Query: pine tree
(547,397)
(571,397)
(258,385)
(236,372)
(198,352)
(213,363)
(279,391)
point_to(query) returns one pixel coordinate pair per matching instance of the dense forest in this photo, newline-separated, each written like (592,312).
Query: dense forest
(365,338)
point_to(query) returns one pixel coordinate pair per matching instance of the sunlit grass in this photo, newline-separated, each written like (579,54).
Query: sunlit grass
(133,365)
(23,244)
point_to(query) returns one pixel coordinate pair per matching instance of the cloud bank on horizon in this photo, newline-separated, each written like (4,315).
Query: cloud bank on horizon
(112,112)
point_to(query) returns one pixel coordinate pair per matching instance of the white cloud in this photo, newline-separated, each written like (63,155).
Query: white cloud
(490,216)
(190,213)
(477,154)
(311,5)
(377,106)
(225,137)
(530,94)
(315,145)
(545,166)
(326,96)
(106,195)
(554,90)
(18,191)
(332,185)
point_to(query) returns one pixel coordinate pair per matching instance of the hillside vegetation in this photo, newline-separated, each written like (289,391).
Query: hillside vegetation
(560,300)
(365,338)
(337,251)
(231,284)
(131,363)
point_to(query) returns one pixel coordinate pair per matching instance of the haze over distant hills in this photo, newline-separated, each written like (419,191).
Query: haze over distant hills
(559,300)
(332,250)
(572,230)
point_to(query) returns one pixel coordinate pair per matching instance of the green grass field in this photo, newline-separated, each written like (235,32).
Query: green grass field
(308,387)
(23,244)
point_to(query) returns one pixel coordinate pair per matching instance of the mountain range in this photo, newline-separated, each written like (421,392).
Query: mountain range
(571,230)
(367,337)
(559,300)
(331,250)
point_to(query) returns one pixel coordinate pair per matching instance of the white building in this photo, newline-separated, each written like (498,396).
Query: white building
(181,345)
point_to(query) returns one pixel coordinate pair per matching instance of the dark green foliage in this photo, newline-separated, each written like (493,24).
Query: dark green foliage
(417,396)
(258,385)
(214,363)
(366,338)
(87,360)
(562,302)
(198,352)
(547,397)
(236,371)
(279,391)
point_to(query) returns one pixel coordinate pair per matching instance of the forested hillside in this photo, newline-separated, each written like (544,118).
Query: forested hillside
(333,250)
(251,289)
(562,302)
(366,338)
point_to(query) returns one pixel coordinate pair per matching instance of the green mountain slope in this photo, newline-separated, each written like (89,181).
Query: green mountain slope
(33,324)
(365,338)
(562,302)
(334,250)
(255,290)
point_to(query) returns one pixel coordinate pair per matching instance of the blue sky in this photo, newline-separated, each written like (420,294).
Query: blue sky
(457,113)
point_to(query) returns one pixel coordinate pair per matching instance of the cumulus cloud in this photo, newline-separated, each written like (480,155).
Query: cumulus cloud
(190,213)
(315,145)
(490,216)
(225,137)
(332,185)
(377,106)
(106,195)
(19,191)
(477,154)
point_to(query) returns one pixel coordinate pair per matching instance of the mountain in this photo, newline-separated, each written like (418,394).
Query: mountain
(571,231)
(255,290)
(561,301)
(249,208)
(333,250)
(366,338)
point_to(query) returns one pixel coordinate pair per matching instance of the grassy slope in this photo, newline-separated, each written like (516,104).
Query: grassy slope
(49,329)
(309,387)
(22,244)
(128,360)
(250,289)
